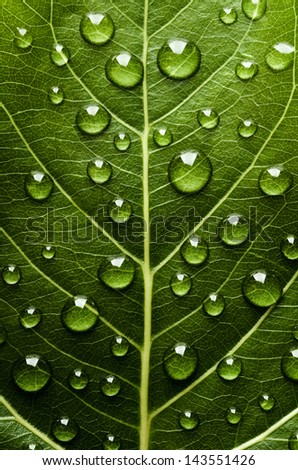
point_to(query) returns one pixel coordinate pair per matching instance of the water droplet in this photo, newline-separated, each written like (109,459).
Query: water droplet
(65,429)
(229,368)
(33,446)
(23,38)
(162,137)
(56,95)
(208,118)
(110,386)
(228,15)
(119,346)
(254,9)
(189,172)
(214,304)
(78,379)
(180,361)
(93,119)
(31,373)
(48,252)
(266,401)
(117,272)
(261,288)
(195,250)
(247,128)
(3,334)
(280,57)
(111,443)
(60,55)
(97,28)
(189,420)
(293,441)
(180,284)
(30,317)
(124,70)
(246,69)
(233,230)
(233,415)
(120,210)
(122,141)
(79,314)
(275,180)
(295,332)
(289,247)
(99,170)
(289,364)
(11,274)
(38,185)
(179,59)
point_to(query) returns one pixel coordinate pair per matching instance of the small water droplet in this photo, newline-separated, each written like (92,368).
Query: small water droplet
(254,9)
(110,386)
(293,441)
(97,28)
(3,334)
(195,250)
(228,15)
(214,304)
(31,373)
(229,368)
(78,379)
(119,346)
(99,170)
(38,185)
(289,364)
(48,252)
(275,180)
(56,95)
(289,247)
(233,230)
(189,172)
(233,415)
(266,401)
(179,59)
(122,141)
(247,128)
(33,446)
(124,70)
(23,38)
(93,119)
(162,137)
(111,443)
(246,69)
(189,420)
(180,361)
(280,57)
(180,284)
(120,210)
(261,288)
(295,332)
(208,118)
(79,314)
(65,429)
(11,274)
(117,272)
(30,317)
(60,55)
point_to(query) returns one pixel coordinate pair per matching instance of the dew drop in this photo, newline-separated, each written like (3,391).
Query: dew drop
(97,28)
(48,252)
(117,272)
(180,361)
(124,70)
(78,379)
(233,230)
(289,364)
(23,38)
(122,141)
(110,386)
(293,441)
(266,401)
(289,247)
(247,128)
(112,443)
(65,429)
(119,346)
(33,446)
(99,170)
(208,118)
(189,420)
(214,304)
(246,69)
(3,334)
(228,15)
(31,373)
(233,415)
(261,288)
(275,180)
(60,55)
(30,317)
(280,57)
(11,274)
(179,59)
(79,314)
(162,137)
(38,185)
(180,284)
(254,9)
(120,210)
(92,119)
(195,250)
(229,368)
(189,172)
(56,95)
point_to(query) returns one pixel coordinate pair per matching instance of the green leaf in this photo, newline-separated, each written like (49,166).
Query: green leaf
(140,207)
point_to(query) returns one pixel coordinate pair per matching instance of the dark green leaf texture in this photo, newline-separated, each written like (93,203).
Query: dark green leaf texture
(38,135)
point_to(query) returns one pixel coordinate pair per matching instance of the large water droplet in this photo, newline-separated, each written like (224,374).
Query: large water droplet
(122,141)
(163,137)
(275,180)
(254,9)
(266,401)
(48,252)
(11,274)
(289,247)
(99,170)
(65,429)
(179,59)
(190,171)
(233,415)
(289,364)
(228,15)
(120,210)
(30,317)
(60,55)
(189,420)
(293,441)
(195,250)
(93,119)
(247,128)
(79,314)
(229,368)
(124,70)
(38,185)
(261,288)
(214,304)
(3,334)
(246,69)
(281,56)
(233,230)
(97,28)
(117,272)
(56,95)
(208,118)
(78,379)
(180,284)
(23,38)
(31,373)
(180,361)
(119,346)
(111,443)
(110,386)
